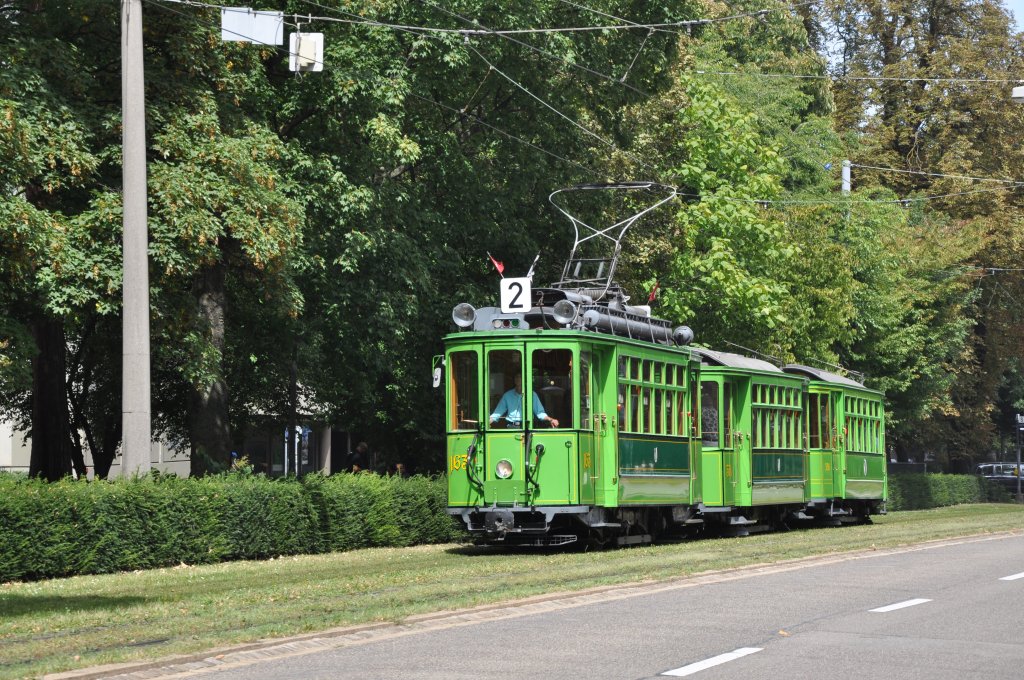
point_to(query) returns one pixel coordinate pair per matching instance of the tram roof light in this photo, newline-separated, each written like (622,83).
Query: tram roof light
(564,312)
(464,315)
(682,335)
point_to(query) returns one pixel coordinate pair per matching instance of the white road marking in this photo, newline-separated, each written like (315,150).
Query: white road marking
(713,661)
(1014,577)
(900,605)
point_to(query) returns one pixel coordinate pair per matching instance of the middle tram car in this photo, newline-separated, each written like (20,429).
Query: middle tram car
(581,418)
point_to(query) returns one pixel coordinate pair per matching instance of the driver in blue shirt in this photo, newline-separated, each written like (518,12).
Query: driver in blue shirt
(511,407)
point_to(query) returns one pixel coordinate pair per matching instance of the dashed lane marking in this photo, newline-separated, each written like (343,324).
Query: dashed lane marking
(900,605)
(713,661)
(1013,577)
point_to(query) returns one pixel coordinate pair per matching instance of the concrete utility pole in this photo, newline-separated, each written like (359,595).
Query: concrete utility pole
(135,378)
(846,177)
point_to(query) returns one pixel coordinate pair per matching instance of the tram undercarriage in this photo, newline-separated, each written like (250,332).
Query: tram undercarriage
(595,527)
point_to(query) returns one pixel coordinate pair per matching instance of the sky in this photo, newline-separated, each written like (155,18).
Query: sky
(1016,7)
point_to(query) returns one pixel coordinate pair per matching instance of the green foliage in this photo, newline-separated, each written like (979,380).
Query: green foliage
(349,210)
(69,528)
(920,491)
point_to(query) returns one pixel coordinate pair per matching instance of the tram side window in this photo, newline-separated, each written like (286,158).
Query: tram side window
(552,383)
(709,414)
(825,421)
(505,388)
(465,397)
(585,390)
(727,415)
(814,414)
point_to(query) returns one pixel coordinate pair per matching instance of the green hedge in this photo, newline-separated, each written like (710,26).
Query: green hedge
(919,491)
(69,528)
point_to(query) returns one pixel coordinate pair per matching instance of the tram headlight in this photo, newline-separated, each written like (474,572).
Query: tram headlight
(564,312)
(464,315)
(503,469)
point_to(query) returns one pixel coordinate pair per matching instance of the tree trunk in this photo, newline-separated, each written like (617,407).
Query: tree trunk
(103,457)
(208,404)
(51,445)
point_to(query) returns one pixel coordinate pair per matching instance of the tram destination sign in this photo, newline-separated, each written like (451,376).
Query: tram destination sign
(515,295)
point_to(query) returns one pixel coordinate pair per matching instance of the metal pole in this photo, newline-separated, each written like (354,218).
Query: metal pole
(846,177)
(135,377)
(1018,458)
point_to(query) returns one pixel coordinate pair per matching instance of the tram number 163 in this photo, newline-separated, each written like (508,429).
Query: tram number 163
(458,462)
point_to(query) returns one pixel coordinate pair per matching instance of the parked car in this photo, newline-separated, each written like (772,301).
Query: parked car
(1006,474)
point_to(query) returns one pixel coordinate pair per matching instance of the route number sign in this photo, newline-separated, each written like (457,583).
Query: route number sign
(515,295)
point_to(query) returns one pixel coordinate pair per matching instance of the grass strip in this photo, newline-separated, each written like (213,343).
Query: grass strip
(84,621)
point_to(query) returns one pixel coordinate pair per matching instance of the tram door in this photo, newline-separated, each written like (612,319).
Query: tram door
(551,441)
(838,445)
(718,464)
(593,425)
(821,443)
(501,467)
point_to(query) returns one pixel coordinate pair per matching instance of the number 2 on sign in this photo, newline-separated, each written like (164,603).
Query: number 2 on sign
(515,295)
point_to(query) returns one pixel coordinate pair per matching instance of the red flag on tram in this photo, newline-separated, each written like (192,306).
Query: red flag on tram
(654,292)
(497,265)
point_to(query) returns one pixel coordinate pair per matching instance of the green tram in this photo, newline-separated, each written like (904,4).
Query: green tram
(572,416)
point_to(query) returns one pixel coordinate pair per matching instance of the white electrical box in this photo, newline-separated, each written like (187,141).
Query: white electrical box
(306,52)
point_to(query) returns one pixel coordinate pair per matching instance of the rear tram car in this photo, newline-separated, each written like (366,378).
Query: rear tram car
(572,416)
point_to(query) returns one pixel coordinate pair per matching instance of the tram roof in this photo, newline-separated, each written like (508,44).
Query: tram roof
(731,360)
(822,375)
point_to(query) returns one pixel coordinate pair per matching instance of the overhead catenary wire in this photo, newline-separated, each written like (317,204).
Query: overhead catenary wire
(762,202)
(511,136)
(539,99)
(541,51)
(477,119)
(933,174)
(886,201)
(834,77)
(495,69)
(610,144)
(627,25)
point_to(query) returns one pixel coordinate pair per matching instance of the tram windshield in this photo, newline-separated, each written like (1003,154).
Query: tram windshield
(553,383)
(505,388)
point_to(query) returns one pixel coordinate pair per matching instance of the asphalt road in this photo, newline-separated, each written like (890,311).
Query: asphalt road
(946,611)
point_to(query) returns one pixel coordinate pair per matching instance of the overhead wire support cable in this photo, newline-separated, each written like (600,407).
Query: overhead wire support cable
(683,23)
(511,136)
(867,201)
(542,51)
(610,144)
(825,76)
(933,174)
(712,20)
(494,68)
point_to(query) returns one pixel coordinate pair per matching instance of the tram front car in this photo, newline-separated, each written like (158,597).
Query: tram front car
(531,409)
